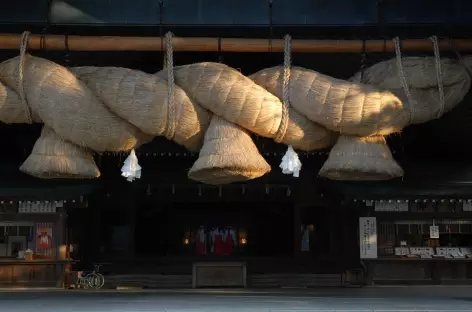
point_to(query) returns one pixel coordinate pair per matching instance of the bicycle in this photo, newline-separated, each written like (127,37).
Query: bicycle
(94,279)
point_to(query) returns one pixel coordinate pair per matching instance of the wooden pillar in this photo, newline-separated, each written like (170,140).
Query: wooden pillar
(297,223)
(62,271)
(131,209)
(97,211)
(60,228)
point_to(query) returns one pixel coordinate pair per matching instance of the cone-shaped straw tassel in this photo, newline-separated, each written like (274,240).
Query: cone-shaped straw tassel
(228,155)
(361,158)
(52,157)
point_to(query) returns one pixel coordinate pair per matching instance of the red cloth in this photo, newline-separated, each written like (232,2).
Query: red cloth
(200,248)
(229,244)
(219,245)
(200,245)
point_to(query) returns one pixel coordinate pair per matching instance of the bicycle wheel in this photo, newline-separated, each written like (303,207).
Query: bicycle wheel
(101,280)
(82,283)
(94,280)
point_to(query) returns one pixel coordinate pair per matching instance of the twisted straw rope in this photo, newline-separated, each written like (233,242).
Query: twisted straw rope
(404,83)
(285,89)
(21,66)
(171,118)
(437,59)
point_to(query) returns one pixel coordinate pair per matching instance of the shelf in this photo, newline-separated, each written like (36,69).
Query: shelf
(421,215)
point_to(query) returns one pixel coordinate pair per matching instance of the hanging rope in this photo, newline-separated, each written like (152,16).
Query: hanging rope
(170,129)
(290,162)
(437,59)
(21,67)
(285,89)
(402,75)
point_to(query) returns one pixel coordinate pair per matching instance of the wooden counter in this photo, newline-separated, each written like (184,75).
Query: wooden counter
(418,271)
(36,273)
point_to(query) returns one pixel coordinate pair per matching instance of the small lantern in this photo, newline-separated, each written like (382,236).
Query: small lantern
(243,241)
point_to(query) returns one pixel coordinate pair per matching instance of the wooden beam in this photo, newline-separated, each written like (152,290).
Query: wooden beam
(100,43)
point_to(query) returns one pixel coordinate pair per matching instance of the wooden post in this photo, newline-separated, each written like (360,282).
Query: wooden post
(297,223)
(102,43)
(61,270)
(132,219)
(60,228)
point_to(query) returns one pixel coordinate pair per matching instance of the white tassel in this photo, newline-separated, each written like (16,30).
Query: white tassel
(131,169)
(290,163)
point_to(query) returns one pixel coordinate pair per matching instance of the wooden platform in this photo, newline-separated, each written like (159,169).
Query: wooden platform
(160,281)
(261,272)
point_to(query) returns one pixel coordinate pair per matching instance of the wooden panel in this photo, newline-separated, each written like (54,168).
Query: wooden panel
(401,271)
(294,280)
(19,274)
(104,12)
(24,11)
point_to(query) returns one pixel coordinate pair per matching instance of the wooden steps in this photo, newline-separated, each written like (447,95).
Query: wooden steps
(148,281)
(253,280)
(294,280)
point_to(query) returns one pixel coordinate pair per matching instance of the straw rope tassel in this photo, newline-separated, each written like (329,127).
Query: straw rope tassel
(290,162)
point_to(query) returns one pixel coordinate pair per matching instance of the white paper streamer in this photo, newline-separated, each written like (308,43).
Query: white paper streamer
(290,163)
(131,169)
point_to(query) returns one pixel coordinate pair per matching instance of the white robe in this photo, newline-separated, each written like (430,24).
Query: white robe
(305,239)
(201,237)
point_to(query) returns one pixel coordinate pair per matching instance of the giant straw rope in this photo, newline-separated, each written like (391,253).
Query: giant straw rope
(212,108)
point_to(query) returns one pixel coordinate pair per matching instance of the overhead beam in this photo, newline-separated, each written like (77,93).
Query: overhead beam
(194,44)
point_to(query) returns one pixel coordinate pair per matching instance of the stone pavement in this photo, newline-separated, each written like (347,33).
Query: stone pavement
(385,299)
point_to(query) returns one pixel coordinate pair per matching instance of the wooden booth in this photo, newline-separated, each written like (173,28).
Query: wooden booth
(35,250)
(419,241)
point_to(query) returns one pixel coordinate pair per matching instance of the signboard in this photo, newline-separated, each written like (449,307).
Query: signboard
(434,231)
(37,207)
(368,237)
(466,206)
(391,206)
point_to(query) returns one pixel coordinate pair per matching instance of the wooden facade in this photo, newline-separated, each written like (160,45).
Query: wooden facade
(146,229)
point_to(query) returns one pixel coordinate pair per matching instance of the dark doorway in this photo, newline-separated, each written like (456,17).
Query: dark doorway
(265,229)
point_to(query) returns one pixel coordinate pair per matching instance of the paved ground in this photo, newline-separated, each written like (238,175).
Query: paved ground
(366,299)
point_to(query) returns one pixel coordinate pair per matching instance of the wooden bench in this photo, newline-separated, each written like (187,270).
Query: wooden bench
(219,274)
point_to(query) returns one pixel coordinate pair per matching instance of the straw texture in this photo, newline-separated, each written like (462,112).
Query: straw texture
(141,99)
(361,158)
(348,108)
(236,98)
(211,108)
(52,157)
(68,106)
(421,74)
(228,155)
